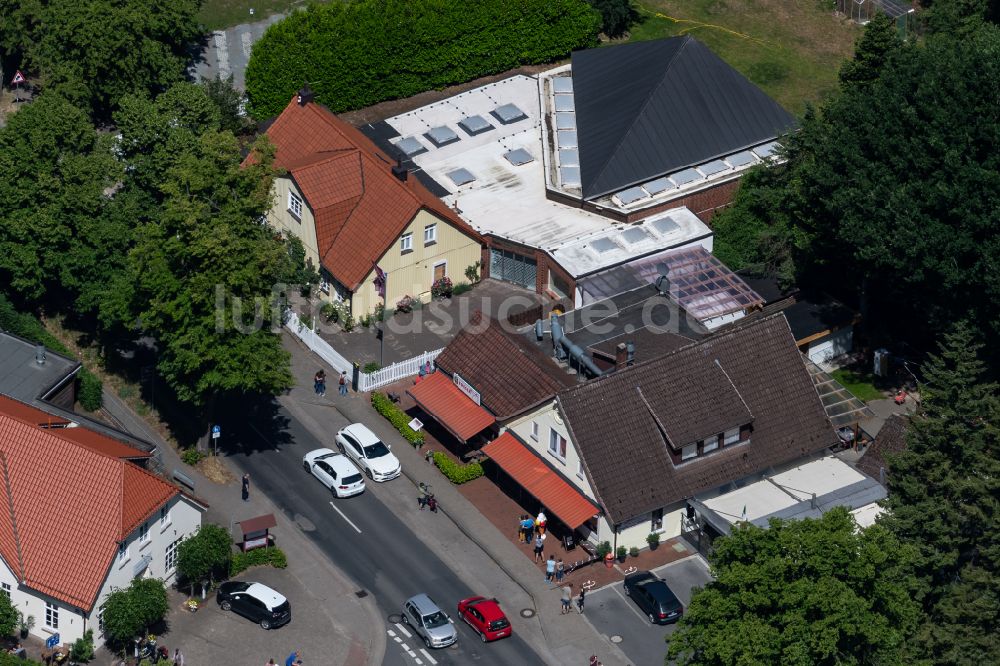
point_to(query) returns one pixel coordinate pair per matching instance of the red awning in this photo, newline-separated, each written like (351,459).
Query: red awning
(548,487)
(438,396)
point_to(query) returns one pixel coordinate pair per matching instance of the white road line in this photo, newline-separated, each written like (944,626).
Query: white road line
(391,632)
(417,661)
(221,53)
(403,630)
(427,656)
(345,517)
(247,42)
(628,602)
(397,639)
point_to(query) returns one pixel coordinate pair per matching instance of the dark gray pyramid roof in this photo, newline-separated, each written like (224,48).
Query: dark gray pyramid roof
(651,108)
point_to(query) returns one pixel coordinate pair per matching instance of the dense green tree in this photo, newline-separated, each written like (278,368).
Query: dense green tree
(809,593)
(130,611)
(204,554)
(944,498)
(231,102)
(9,618)
(958,17)
(97,51)
(354,54)
(54,175)
(879,40)
(617,16)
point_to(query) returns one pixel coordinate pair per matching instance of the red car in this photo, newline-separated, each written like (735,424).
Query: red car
(485,618)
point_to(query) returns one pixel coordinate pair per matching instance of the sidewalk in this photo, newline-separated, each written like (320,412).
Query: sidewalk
(487,560)
(354,637)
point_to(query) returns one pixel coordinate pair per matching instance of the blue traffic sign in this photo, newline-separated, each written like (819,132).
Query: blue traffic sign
(216,429)
(52,641)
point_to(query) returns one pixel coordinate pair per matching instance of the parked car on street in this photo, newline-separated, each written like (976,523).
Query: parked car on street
(485,617)
(256,602)
(651,594)
(334,471)
(429,622)
(369,452)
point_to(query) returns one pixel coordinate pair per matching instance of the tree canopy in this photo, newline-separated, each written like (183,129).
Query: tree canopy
(130,611)
(203,553)
(9,618)
(354,54)
(809,593)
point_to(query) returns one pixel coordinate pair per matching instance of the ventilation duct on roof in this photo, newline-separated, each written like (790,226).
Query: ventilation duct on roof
(40,354)
(575,352)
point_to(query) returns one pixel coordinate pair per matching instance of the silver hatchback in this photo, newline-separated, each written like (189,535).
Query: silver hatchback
(430,622)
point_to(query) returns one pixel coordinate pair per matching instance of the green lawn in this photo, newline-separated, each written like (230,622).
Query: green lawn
(860,384)
(219,14)
(790,48)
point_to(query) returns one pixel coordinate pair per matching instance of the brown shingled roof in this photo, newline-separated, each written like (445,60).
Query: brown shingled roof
(511,374)
(891,440)
(359,206)
(623,448)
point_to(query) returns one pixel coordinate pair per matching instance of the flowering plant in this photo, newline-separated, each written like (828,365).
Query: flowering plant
(441,288)
(405,304)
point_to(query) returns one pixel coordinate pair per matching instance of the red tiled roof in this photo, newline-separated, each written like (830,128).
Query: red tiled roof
(64,507)
(547,486)
(359,206)
(438,396)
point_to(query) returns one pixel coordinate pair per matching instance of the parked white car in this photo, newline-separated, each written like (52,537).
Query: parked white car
(369,452)
(335,472)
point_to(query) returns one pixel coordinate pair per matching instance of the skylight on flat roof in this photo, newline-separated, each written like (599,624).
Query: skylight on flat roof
(565,121)
(508,113)
(740,159)
(570,176)
(569,157)
(631,195)
(461,176)
(602,245)
(665,225)
(685,177)
(519,156)
(441,135)
(562,84)
(565,103)
(765,150)
(566,138)
(474,125)
(654,187)
(713,167)
(411,146)
(634,235)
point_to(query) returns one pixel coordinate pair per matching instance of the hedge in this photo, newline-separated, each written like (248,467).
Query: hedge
(258,557)
(355,54)
(456,473)
(397,417)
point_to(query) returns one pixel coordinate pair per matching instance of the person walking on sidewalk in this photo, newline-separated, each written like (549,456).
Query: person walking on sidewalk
(550,568)
(320,383)
(579,599)
(539,546)
(567,596)
(246,487)
(178,657)
(560,570)
(342,383)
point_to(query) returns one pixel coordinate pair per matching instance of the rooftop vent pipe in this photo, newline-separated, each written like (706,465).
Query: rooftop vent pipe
(40,354)
(305,96)
(539,331)
(560,341)
(629,352)
(399,171)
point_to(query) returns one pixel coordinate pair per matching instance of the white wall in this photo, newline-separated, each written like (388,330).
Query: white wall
(547,418)
(838,342)
(635,531)
(183,519)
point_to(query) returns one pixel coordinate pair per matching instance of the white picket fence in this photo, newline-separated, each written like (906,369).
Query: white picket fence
(317,344)
(396,371)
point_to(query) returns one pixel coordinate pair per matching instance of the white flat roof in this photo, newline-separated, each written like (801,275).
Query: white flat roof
(510,201)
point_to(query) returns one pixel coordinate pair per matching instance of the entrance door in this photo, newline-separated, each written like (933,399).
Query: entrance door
(439,270)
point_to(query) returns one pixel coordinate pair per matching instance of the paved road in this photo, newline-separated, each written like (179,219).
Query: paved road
(370,543)
(226,52)
(615,616)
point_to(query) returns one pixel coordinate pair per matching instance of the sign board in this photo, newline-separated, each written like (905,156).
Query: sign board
(255,542)
(52,641)
(466,388)
(415,424)
(18,78)
(216,431)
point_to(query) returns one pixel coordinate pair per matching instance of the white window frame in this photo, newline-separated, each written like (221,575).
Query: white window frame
(165,517)
(170,555)
(557,442)
(295,205)
(5,590)
(731,436)
(690,451)
(579,468)
(656,523)
(406,242)
(710,444)
(123,554)
(534,430)
(51,615)
(430,234)
(144,533)
(100,618)
(324,284)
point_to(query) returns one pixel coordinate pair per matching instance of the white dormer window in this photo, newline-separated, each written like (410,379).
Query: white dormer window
(710,444)
(731,436)
(295,206)
(689,451)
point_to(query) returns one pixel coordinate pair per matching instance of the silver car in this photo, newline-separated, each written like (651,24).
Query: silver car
(430,622)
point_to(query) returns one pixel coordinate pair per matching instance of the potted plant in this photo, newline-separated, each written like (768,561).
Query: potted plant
(25,624)
(603,549)
(634,551)
(405,304)
(653,540)
(622,552)
(442,288)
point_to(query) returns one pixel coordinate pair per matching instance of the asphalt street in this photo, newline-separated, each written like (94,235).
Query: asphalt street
(363,538)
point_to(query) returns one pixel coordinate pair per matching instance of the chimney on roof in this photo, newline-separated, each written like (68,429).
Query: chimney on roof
(399,171)
(40,354)
(620,355)
(306,95)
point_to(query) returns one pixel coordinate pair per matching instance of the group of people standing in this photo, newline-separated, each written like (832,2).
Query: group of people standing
(319,383)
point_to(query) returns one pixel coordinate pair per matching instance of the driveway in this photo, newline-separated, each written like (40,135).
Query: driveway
(227,51)
(213,636)
(614,616)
